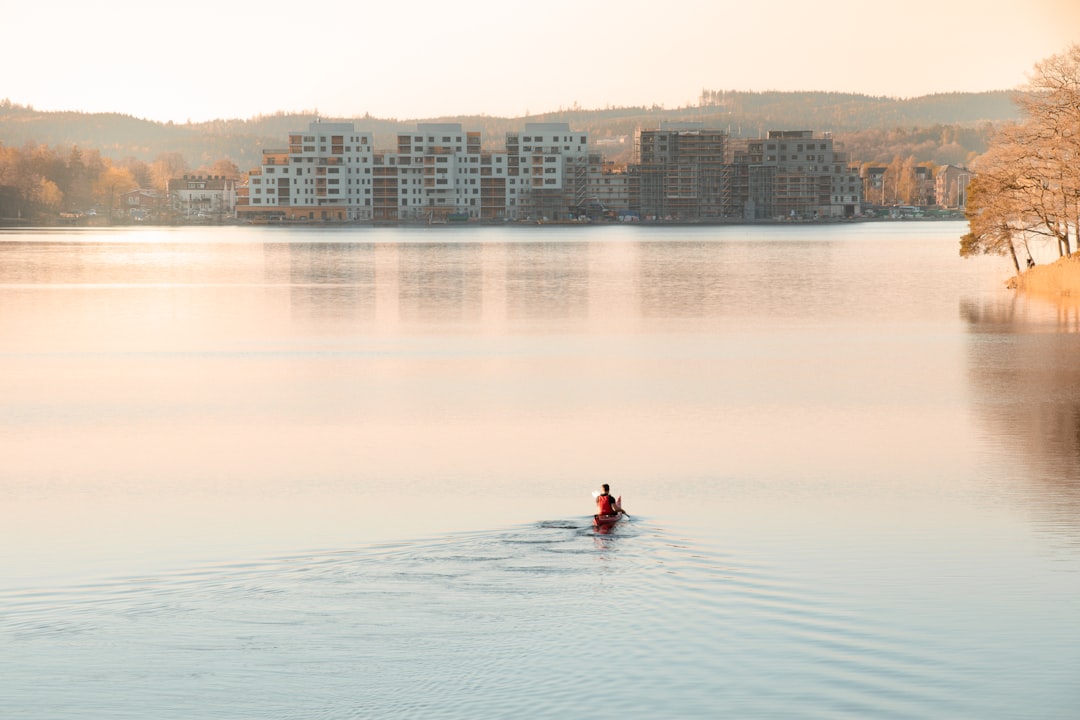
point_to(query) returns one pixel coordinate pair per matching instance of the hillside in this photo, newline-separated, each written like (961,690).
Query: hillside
(870,126)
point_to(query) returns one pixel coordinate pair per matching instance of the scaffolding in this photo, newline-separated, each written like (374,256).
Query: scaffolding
(683,172)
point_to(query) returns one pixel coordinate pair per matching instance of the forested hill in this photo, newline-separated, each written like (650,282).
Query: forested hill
(870,125)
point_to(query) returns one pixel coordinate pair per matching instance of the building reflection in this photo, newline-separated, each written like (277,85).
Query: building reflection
(500,286)
(687,283)
(548,280)
(326,281)
(439,282)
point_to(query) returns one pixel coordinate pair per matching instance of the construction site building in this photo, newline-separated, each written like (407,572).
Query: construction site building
(792,174)
(682,171)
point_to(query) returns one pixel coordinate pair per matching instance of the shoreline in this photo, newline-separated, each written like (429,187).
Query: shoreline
(1059,279)
(101,223)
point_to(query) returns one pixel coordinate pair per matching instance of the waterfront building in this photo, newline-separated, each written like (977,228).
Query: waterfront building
(440,172)
(950,186)
(443,174)
(792,174)
(325,175)
(612,190)
(547,172)
(142,204)
(873,177)
(204,197)
(682,171)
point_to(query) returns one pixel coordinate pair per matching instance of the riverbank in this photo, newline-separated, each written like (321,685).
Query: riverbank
(1058,279)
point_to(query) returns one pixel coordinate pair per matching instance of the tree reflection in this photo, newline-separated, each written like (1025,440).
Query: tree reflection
(1024,370)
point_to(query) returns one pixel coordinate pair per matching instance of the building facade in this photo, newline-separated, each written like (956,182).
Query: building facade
(443,174)
(202,197)
(950,186)
(440,172)
(548,172)
(324,175)
(682,172)
(792,174)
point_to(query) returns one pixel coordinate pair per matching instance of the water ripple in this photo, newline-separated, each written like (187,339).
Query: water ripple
(530,621)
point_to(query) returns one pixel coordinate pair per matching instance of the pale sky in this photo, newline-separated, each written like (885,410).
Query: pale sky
(204,59)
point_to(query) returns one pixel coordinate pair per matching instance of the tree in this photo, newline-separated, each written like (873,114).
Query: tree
(994,209)
(225,168)
(166,167)
(1032,169)
(140,171)
(46,195)
(111,184)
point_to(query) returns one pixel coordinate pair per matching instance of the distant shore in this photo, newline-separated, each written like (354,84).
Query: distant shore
(101,222)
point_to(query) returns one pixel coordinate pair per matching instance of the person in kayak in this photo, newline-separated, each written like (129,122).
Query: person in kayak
(606,505)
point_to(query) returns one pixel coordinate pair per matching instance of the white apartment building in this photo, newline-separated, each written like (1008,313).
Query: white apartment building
(324,175)
(442,173)
(439,172)
(549,171)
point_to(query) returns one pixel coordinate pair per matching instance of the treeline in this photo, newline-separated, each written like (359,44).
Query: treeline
(56,161)
(843,112)
(935,128)
(40,182)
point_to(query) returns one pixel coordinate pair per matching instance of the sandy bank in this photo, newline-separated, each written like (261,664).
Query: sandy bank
(1058,279)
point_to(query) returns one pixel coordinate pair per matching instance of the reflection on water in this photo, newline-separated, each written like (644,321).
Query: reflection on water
(1025,374)
(326,280)
(849,499)
(687,283)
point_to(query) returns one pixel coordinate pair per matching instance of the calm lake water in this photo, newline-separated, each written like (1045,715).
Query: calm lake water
(346,473)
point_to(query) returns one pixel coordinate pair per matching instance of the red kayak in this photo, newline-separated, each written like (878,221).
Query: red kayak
(606,520)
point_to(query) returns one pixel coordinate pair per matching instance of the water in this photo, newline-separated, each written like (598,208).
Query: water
(276,473)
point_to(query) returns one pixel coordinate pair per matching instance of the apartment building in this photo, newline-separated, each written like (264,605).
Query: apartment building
(682,171)
(443,174)
(440,172)
(612,191)
(792,174)
(950,186)
(548,172)
(325,175)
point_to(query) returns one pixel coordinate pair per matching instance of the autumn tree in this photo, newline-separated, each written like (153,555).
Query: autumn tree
(223,168)
(46,195)
(1032,169)
(995,206)
(166,167)
(139,170)
(111,184)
